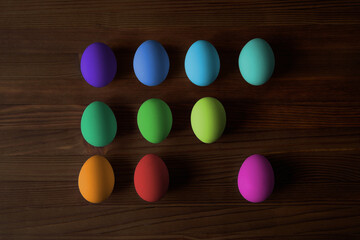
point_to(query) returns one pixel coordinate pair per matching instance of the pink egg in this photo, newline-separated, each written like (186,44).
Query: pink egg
(256,178)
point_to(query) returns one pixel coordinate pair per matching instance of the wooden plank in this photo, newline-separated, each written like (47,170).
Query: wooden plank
(105,14)
(70,142)
(74,222)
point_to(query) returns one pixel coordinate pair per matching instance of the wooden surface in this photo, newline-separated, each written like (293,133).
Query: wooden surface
(306,120)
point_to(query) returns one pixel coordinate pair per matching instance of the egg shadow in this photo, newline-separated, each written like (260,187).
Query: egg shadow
(228,65)
(123,170)
(181,116)
(237,115)
(180,173)
(285,56)
(177,59)
(284,171)
(125,118)
(124,58)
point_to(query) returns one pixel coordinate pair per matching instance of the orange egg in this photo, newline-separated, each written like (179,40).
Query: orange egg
(96,179)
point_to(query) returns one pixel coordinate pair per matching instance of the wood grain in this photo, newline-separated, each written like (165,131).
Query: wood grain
(305,120)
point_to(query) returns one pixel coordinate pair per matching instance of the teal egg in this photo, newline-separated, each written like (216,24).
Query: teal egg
(98,124)
(256,62)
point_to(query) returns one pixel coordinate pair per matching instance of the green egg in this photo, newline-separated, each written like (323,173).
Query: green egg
(208,119)
(98,124)
(154,120)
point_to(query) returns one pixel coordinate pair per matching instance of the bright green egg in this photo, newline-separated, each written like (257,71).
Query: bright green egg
(208,119)
(98,124)
(154,120)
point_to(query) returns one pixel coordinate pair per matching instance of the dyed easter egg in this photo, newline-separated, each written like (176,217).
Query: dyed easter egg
(256,178)
(202,63)
(98,64)
(208,119)
(151,178)
(98,124)
(256,62)
(151,63)
(154,120)
(96,179)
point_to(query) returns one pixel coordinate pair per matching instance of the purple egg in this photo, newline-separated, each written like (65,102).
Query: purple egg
(98,64)
(256,178)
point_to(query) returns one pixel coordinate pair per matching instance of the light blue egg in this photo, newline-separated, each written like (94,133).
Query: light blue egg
(151,63)
(202,63)
(256,62)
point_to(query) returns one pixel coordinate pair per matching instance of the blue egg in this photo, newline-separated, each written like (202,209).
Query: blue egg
(256,62)
(151,63)
(202,63)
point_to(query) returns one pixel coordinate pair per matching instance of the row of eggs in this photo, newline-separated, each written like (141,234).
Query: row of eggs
(202,63)
(154,119)
(151,179)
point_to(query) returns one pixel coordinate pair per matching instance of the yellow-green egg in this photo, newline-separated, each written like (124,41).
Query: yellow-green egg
(208,119)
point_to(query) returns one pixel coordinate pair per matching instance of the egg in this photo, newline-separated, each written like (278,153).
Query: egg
(208,119)
(256,62)
(154,120)
(98,124)
(202,63)
(151,178)
(96,179)
(151,63)
(98,64)
(256,179)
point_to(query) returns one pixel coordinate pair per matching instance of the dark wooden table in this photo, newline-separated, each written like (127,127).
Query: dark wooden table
(306,120)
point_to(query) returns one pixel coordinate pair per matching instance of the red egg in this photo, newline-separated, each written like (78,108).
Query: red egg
(151,178)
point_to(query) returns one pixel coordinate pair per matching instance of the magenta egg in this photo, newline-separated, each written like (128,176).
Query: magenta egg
(256,179)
